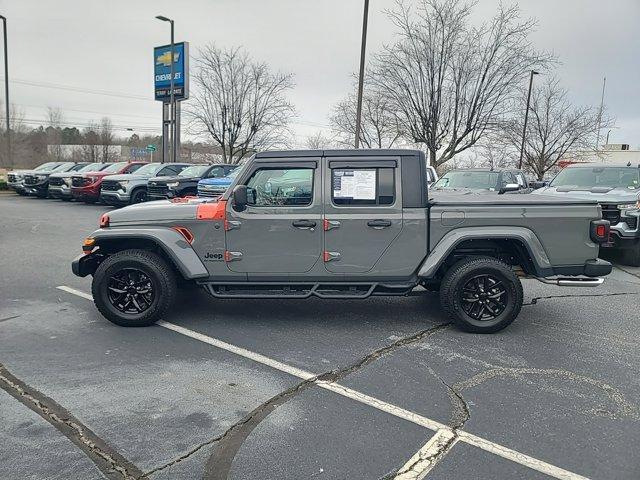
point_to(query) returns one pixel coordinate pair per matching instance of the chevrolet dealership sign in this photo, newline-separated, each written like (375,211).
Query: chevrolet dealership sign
(162,71)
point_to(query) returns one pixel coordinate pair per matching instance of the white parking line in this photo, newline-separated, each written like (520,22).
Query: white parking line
(399,412)
(426,458)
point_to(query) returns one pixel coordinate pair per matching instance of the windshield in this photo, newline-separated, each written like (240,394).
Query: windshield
(64,167)
(195,171)
(92,167)
(234,173)
(150,169)
(583,177)
(468,179)
(46,166)
(116,167)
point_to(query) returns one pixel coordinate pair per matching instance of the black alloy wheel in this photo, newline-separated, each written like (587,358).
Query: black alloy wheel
(484,297)
(130,291)
(139,196)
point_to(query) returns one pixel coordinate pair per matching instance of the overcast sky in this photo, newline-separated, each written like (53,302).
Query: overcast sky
(94,58)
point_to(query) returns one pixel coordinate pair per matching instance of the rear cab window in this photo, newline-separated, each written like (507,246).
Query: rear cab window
(362,186)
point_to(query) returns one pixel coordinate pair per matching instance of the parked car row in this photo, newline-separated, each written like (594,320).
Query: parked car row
(119,183)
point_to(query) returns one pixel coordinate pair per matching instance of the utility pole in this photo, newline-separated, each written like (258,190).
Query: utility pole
(6,91)
(526,117)
(172,98)
(363,49)
(604,83)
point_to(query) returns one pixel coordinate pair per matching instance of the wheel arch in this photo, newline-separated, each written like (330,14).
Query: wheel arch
(514,245)
(166,242)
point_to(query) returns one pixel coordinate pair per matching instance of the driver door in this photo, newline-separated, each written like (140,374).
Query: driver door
(280,231)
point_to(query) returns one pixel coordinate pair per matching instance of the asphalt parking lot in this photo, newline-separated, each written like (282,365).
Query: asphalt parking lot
(326,389)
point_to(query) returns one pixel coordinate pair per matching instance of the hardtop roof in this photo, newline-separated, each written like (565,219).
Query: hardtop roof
(368,152)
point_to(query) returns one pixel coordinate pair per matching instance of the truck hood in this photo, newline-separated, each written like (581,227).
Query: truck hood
(157,212)
(127,176)
(174,178)
(216,181)
(599,194)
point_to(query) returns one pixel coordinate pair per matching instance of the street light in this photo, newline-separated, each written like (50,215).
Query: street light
(363,49)
(172,100)
(526,117)
(6,90)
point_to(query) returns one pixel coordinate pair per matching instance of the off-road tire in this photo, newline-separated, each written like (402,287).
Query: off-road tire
(465,270)
(159,272)
(631,256)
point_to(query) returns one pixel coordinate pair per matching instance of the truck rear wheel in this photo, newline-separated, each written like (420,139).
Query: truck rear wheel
(133,288)
(481,294)
(631,256)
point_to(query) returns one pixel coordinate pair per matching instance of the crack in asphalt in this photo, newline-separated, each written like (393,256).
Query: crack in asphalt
(229,443)
(534,300)
(443,439)
(9,318)
(637,275)
(108,461)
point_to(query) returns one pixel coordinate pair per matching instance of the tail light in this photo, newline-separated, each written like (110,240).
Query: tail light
(599,231)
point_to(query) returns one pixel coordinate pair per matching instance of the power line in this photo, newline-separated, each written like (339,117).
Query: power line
(72,88)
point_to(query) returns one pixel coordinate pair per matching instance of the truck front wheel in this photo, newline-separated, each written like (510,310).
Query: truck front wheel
(133,288)
(481,294)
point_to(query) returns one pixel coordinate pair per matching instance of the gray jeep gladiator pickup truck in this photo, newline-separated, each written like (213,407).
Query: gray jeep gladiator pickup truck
(342,224)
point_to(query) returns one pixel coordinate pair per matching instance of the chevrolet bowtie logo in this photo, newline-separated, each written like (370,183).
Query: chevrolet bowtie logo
(165,58)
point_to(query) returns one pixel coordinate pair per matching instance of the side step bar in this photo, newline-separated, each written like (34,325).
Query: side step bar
(304,290)
(572,281)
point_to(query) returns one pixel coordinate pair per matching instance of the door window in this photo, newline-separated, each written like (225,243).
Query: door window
(281,187)
(216,172)
(362,186)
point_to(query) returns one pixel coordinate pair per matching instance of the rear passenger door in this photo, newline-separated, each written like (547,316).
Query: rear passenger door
(362,212)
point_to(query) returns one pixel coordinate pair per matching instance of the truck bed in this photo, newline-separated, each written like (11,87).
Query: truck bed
(454,199)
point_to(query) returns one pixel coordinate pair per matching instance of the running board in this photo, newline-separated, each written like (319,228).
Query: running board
(304,290)
(572,281)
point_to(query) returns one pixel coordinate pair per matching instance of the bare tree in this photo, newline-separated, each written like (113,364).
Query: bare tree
(379,127)
(19,150)
(55,119)
(555,129)
(239,103)
(318,141)
(494,153)
(448,81)
(106,138)
(91,141)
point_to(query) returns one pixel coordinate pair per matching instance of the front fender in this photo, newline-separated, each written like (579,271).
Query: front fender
(170,242)
(449,242)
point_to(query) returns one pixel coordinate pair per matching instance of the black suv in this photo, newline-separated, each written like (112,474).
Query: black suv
(37,183)
(186,182)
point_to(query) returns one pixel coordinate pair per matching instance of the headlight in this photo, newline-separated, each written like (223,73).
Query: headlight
(123,184)
(173,184)
(630,206)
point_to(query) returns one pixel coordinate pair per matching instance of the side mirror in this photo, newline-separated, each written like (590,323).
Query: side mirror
(509,187)
(239,196)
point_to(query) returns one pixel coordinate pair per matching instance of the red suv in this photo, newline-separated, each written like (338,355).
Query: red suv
(86,187)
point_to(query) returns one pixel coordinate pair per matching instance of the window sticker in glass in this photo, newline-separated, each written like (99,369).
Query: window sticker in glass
(354,184)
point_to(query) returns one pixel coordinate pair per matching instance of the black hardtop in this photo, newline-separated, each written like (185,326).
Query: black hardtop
(363,152)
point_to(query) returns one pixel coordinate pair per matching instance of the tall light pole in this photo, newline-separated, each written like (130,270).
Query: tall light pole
(6,90)
(172,99)
(526,117)
(363,49)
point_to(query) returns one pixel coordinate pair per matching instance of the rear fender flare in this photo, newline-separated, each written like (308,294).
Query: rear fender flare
(170,242)
(448,243)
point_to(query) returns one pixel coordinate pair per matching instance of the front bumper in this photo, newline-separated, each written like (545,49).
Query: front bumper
(85,193)
(39,189)
(86,264)
(115,197)
(59,191)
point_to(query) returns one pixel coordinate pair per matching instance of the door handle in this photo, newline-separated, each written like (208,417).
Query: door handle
(379,224)
(304,224)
